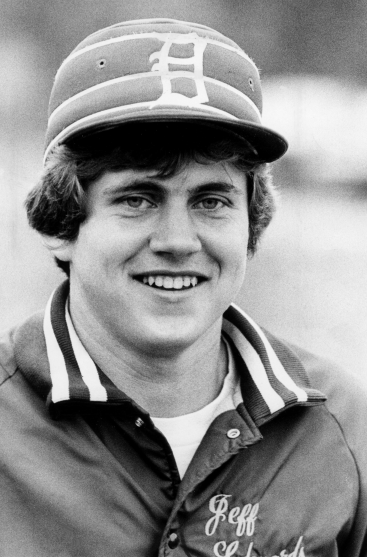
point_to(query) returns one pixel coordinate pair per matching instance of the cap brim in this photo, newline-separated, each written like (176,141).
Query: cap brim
(267,144)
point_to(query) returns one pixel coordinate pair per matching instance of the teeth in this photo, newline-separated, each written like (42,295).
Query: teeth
(159,281)
(178,283)
(169,282)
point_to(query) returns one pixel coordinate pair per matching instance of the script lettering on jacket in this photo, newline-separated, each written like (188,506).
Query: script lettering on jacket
(244,518)
(222,549)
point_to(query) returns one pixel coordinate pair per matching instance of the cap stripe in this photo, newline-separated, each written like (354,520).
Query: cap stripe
(145,75)
(110,111)
(277,367)
(151,35)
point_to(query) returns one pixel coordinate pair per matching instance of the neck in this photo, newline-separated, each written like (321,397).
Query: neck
(176,383)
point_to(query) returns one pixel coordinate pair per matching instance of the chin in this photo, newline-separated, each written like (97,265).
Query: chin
(171,342)
(170,338)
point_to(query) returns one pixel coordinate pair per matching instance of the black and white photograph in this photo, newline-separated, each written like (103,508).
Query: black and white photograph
(183,307)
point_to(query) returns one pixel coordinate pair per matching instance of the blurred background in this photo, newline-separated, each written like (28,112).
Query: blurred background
(307,283)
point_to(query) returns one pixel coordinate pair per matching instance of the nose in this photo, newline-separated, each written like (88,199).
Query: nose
(175,233)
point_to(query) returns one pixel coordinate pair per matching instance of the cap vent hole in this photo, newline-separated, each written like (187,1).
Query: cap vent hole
(251,83)
(101,63)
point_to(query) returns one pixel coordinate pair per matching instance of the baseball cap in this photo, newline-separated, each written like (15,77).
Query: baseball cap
(159,70)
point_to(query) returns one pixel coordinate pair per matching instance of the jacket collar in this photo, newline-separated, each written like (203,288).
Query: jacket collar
(273,377)
(54,360)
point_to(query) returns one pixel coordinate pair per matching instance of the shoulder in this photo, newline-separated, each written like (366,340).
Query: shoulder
(346,390)
(23,351)
(346,394)
(325,375)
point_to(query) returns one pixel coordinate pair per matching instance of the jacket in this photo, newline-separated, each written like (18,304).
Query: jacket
(86,475)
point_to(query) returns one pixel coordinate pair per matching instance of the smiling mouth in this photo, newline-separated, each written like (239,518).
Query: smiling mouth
(168,282)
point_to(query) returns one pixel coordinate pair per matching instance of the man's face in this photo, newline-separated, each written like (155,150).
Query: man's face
(159,260)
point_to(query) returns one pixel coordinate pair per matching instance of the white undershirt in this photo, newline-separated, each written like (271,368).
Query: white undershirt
(185,433)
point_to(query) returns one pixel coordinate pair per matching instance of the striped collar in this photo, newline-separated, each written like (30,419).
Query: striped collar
(271,381)
(273,377)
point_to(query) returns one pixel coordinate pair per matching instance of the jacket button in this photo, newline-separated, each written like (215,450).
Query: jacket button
(233,433)
(173,540)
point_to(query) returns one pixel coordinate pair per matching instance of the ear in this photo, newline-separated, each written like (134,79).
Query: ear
(62,249)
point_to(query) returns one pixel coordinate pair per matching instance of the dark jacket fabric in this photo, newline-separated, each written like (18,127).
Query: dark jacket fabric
(283,475)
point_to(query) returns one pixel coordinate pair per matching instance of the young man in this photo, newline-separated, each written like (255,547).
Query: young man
(144,413)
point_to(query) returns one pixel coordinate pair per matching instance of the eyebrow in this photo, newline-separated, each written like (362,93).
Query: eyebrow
(150,185)
(216,186)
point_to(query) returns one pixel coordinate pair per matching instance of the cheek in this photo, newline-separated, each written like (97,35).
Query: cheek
(237,252)
(230,249)
(105,245)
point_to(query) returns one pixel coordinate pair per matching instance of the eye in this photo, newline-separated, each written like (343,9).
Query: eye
(210,204)
(137,202)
